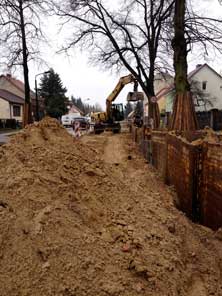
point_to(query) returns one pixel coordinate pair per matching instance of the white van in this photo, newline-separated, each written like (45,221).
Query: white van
(68,119)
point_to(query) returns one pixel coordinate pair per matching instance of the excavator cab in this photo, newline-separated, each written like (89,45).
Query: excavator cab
(117,113)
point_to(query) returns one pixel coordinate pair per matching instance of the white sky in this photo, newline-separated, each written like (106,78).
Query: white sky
(84,81)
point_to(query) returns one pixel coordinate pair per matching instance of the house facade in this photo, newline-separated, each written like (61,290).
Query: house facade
(162,81)
(16,87)
(11,106)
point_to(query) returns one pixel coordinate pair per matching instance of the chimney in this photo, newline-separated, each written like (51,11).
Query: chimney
(8,75)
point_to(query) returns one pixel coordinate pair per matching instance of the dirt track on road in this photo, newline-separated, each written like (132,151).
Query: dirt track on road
(91,217)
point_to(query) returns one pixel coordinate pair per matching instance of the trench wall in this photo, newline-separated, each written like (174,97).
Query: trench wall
(211,186)
(159,152)
(182,172)
(195,170)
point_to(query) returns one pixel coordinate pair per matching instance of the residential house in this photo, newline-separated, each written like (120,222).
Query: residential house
(162,80)
(73,110)
(11,106)
(16,87)
(206,86)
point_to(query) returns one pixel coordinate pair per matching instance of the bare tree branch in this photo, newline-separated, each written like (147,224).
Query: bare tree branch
(20,33)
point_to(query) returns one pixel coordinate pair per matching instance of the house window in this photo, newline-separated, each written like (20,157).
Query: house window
(16,111)
(204,85)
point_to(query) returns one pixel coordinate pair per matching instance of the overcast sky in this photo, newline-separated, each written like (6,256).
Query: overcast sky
(84,81)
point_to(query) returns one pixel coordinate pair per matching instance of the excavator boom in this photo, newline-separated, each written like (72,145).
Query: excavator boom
(120,85)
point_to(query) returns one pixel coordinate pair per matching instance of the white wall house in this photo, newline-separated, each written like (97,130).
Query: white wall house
(209,82)
(206,85)
(11,106)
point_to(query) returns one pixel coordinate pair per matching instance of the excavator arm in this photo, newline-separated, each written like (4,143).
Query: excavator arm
(120,85)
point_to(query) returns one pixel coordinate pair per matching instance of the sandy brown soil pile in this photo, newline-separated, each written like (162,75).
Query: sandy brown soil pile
(83,218)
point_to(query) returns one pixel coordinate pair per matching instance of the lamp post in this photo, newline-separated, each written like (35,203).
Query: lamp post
(36,95)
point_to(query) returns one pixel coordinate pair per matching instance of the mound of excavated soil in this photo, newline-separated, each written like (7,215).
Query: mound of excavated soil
(45,216)
(83,218)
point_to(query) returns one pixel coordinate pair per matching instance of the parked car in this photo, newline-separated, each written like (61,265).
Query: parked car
(68,119)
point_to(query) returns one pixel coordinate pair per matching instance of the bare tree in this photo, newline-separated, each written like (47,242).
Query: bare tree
(130,36)
(203,33)
(20,31)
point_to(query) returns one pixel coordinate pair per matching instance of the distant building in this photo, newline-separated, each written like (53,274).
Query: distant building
(16,87)
(73,110)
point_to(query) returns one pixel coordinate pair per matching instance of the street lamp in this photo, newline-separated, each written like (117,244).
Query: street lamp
(36,95)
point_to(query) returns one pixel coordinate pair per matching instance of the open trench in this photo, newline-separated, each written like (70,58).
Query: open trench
(178,256)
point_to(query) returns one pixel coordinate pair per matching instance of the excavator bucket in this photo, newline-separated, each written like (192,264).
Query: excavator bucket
(135,96)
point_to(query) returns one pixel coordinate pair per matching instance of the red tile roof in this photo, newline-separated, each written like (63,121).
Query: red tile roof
(10,97)
(17,83)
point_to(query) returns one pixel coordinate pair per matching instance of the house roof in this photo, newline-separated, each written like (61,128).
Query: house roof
(73,107)
(10,97)
(17,83)
(166,90)
(192,73)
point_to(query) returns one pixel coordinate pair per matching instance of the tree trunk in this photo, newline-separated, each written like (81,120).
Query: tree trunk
(154,114)
(153,107)
(27,116)
(184,116)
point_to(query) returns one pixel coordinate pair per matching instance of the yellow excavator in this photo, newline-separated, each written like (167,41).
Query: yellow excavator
(110,120)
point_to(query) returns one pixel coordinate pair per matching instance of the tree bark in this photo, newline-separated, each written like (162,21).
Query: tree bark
(184,116)
(27,116)
(154,113)
(153,107)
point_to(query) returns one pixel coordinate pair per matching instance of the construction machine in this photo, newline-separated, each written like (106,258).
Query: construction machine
(110,120)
